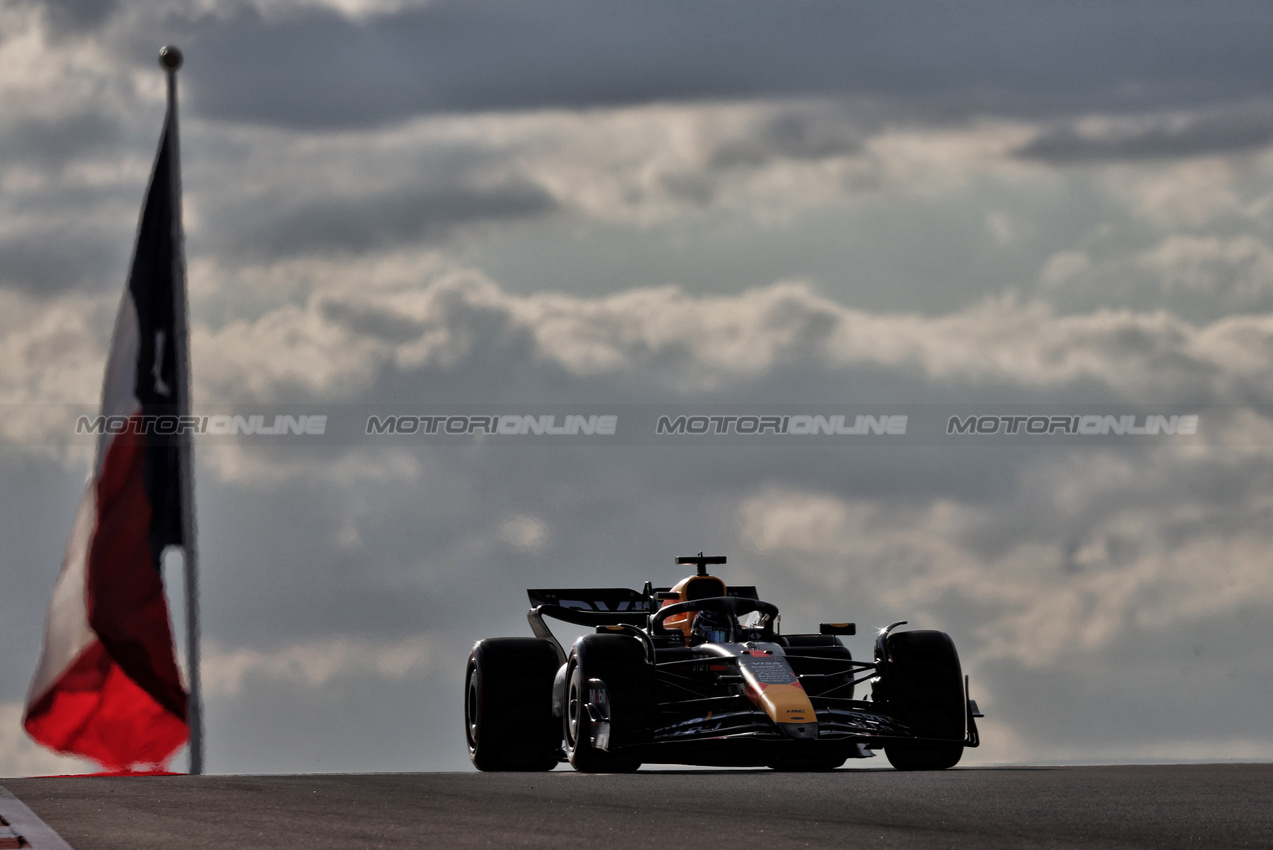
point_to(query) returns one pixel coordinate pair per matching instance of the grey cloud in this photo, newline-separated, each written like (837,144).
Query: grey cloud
(320,69)
(792,134)
(698,189)
(68,233)
(43,264)
(69,237)
(341,728)
(1176,701)
(774,342)
(49,143)
(1159,137)
(77,16)
(319,198)
(395,217)
(1227,504)
(370,321)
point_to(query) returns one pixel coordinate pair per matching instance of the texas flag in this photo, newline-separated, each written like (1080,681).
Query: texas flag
(107,687)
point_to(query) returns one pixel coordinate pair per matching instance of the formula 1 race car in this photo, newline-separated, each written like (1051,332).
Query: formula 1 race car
(698,674)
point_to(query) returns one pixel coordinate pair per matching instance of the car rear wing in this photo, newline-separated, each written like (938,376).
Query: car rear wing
(587,606)
(599,600)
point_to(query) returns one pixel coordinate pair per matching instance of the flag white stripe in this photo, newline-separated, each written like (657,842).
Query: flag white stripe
(66,630)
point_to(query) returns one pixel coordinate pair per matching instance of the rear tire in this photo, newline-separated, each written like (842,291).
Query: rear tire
(923,685)
(620,663)
(508,719)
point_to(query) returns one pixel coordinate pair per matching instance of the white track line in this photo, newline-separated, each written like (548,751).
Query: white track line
(23,822)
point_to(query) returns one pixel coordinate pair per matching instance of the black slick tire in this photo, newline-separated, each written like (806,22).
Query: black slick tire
(923,684)
(508,717)
(806,763)
(620,663)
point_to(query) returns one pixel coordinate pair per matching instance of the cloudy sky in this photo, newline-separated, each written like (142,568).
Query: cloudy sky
(568,205)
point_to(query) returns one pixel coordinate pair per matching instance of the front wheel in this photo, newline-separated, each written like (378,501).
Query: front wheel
(806,763)
(939,757)
(923,685)
(618,706)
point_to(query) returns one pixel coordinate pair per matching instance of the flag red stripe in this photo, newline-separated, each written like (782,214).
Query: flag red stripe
(96,711)
(126,603)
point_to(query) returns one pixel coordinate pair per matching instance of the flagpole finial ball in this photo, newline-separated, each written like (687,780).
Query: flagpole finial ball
(170,57)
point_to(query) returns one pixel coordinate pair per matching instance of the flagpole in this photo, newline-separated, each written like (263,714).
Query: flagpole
(170,58)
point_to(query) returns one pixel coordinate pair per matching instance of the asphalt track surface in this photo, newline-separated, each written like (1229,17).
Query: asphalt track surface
(1227,805)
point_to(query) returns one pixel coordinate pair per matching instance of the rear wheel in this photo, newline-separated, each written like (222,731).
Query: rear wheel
(923,684)
(508,719)
(619,663)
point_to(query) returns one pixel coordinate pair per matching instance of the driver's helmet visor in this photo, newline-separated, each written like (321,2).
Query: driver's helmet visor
(714,626)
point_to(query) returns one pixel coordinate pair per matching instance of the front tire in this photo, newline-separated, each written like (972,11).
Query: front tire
(508,719)
(923,685)
(619,662)
(806,764)
(933,757)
